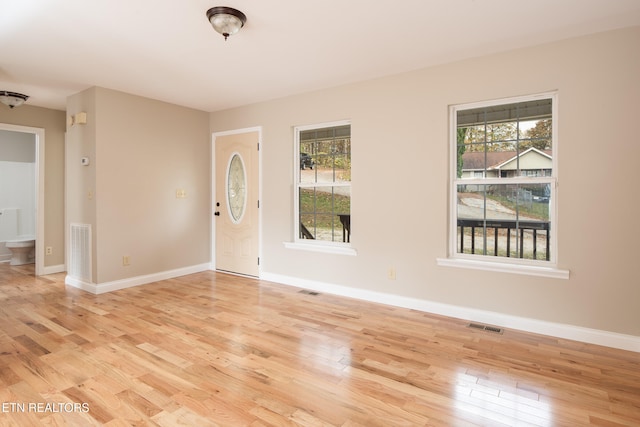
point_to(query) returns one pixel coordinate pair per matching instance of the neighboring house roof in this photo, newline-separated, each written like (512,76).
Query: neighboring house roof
(475,160)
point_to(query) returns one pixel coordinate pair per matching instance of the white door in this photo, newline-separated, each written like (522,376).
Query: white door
(236,203)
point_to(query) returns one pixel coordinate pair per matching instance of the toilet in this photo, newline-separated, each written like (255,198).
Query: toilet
(21,245)
(22,250)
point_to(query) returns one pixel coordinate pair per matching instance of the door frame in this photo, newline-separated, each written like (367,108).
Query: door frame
(214,135)
(39,138)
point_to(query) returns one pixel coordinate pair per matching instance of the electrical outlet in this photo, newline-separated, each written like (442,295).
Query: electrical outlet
(391,274)
(125,260)
(181,194)
(48,250)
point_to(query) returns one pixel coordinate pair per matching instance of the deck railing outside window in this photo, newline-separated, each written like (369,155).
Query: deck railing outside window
(518,239)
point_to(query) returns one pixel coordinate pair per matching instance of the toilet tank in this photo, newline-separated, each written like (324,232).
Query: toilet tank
(8,223)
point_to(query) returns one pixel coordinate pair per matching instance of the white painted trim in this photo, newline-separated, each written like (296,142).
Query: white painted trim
(318,247)
(558,330)
(77,283)
(236,131)
(503,267)
(52,269)
(40,244)
(40,160)
(134,281)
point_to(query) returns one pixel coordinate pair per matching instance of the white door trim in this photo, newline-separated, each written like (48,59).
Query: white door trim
(39,134)
(215,135)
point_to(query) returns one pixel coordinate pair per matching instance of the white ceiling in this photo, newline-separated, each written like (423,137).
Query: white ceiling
(167,50)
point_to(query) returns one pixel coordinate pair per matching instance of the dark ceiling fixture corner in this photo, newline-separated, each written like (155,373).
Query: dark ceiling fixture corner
(226,20)
(12,99)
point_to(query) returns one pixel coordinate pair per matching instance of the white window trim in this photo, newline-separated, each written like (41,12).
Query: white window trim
(324,247)
(504,267)
(339,248)
(492,263)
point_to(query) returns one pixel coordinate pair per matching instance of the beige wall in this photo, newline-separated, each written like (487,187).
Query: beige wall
(141,151)
(400,181)
(53,123)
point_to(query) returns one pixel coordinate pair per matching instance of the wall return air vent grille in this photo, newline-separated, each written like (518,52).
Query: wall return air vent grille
(80,252)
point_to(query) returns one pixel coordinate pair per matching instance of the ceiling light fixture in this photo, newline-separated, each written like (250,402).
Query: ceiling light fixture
(226,20)
(12,99)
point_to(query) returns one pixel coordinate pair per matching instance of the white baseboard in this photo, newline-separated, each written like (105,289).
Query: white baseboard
(133,281)
(80,284)
(558,330)
(51,269)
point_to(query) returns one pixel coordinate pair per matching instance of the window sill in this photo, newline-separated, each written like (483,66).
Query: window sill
(529,270)
(329,249)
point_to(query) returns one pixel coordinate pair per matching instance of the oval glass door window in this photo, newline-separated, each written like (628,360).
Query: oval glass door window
(236,188)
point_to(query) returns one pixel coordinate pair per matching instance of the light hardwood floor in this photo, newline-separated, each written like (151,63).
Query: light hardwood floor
(214,349)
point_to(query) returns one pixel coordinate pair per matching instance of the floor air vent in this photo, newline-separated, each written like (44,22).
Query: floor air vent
(486,328)
(308,292)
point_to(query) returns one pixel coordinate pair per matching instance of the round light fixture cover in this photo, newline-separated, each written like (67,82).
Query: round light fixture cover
(12,99)
(226,20)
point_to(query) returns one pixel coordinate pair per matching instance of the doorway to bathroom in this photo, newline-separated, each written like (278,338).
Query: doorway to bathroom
(11,136)
(236,194)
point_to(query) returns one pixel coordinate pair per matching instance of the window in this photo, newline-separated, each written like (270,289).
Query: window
(323,184)
(504,180)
